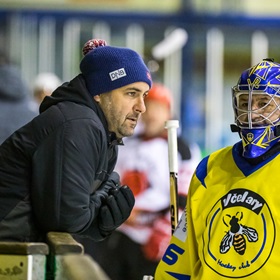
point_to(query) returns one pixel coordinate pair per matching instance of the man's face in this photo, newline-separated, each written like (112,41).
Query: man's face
(122,107)
(257,109)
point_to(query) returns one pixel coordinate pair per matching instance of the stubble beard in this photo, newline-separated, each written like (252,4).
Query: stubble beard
(126,130)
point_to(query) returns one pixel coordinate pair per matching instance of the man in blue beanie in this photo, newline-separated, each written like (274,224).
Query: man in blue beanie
(57,172)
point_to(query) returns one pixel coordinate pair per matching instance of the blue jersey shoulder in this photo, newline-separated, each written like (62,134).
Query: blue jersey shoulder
(201,170)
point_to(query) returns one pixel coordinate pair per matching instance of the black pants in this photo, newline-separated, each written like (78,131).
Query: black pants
(120,257)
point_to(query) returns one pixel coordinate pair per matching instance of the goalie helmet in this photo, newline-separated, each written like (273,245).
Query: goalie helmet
(256,105)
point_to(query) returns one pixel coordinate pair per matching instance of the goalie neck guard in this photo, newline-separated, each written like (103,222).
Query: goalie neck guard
(256,105)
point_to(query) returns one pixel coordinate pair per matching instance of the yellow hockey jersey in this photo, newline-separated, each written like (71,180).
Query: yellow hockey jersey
(230,225)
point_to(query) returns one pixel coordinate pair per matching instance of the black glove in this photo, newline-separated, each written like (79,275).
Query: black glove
(116,209)
(111,205)
(101,194)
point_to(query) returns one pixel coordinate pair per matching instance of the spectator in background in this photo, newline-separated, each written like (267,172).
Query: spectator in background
(136,247)
(45,83)
(16,105)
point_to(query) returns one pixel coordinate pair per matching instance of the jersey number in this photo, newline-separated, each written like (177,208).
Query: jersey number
(171,254)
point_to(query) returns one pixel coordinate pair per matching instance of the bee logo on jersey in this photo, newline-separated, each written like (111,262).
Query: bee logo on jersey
(235,236)
(240,234)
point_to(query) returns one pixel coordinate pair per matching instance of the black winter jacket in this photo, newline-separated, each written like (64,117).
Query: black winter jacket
(51,167)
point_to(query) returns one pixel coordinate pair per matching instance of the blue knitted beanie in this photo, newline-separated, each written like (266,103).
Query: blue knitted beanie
(106,68)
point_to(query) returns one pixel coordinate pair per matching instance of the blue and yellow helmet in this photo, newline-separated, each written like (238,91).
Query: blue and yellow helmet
(256,105)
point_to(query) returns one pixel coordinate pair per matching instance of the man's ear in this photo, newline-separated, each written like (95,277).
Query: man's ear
(96,98)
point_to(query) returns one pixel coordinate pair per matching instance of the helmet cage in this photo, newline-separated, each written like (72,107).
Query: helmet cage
(264,114)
